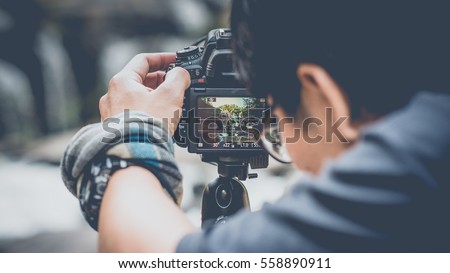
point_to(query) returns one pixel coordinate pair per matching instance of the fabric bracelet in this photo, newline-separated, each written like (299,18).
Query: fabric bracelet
(133,138)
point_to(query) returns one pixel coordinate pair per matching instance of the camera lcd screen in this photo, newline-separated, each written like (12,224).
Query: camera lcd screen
(230,122)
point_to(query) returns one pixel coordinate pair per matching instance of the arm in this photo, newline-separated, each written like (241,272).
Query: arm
(137,216)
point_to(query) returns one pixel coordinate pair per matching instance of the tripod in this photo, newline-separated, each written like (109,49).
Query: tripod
(226,194)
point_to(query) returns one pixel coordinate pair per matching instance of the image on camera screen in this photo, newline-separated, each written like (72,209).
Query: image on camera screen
(230,122)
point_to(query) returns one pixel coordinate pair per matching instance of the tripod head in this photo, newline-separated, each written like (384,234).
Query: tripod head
(226,195)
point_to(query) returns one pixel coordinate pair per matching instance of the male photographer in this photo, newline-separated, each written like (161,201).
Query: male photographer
(377,74)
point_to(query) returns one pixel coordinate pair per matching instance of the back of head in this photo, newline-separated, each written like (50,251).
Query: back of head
(380,53)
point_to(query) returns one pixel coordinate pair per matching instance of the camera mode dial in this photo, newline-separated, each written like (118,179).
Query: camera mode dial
(189,51)
(189,58)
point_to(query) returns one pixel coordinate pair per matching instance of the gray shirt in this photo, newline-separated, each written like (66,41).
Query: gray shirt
(388,193)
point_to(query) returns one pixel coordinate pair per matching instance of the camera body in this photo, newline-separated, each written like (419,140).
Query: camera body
(220,119)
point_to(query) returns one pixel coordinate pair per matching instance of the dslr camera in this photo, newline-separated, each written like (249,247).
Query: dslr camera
(220,119)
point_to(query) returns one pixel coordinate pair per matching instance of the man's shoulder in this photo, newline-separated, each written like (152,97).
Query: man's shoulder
(413,142)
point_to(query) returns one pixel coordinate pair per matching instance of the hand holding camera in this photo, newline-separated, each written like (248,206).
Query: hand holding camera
(140,87)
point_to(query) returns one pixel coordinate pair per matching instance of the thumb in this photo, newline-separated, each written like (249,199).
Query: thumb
(176,82)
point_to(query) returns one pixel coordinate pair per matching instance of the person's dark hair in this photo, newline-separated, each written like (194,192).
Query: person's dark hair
(380,53)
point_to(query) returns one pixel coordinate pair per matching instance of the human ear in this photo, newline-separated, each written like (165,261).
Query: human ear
(321,92)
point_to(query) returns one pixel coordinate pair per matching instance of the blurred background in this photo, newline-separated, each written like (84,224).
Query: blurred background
(56,58)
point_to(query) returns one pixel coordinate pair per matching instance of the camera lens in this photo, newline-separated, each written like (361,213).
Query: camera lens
(224,195)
